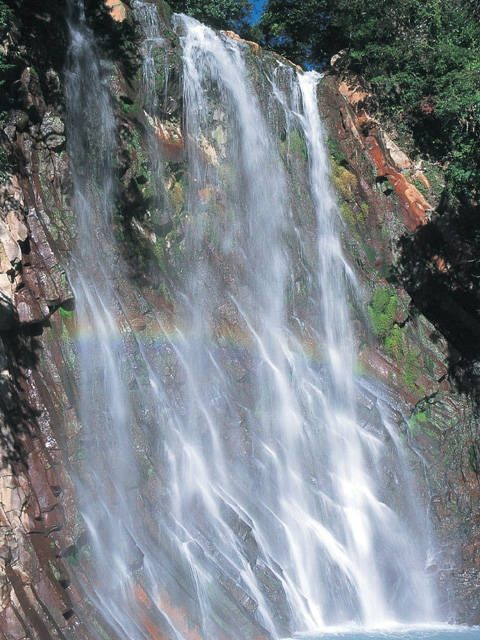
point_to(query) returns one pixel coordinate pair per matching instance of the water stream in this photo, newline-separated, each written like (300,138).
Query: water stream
(268,510)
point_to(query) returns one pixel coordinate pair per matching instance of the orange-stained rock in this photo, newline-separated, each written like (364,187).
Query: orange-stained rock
(118,10)
(353,95)
(254,46)
(146,612)
(170,138)
(414,204)
(389,160)
(177,616)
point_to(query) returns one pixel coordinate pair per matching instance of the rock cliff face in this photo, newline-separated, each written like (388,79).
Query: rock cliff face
(383,195)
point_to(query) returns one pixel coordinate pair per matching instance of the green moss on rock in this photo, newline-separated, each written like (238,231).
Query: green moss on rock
(382,311)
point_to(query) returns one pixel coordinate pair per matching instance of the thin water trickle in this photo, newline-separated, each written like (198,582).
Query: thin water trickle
(239,495)
(152,51)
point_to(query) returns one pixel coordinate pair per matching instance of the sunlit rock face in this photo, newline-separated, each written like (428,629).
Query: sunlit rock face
(235,441)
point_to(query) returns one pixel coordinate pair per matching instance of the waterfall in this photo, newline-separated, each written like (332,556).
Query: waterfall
(229,488)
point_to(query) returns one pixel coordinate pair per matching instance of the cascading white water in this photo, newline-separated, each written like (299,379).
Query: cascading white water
(270,513)
(343,552)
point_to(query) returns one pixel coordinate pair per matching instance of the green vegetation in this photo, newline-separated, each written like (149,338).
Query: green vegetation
(417,419)
(354,216)
(370,253)
(411,369)
(5,18)
(344,180)
(79,554)
(296,144)
(394,343)
(382,310)
(347,214)
(65,334)
(129,107)
(66,313)
(436,180)
(336,154)
(345,183)
(363,215)
(6,164)
(222,14)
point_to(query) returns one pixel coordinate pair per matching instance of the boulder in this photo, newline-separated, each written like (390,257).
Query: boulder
(354,95)
(334,60)
(399,159)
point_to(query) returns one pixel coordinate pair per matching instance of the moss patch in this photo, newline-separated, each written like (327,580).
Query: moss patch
(344,180)
(394,343)
(417,420)
(411,369)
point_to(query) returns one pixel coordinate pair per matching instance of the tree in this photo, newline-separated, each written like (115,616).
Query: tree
(300,30)
(221,14)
